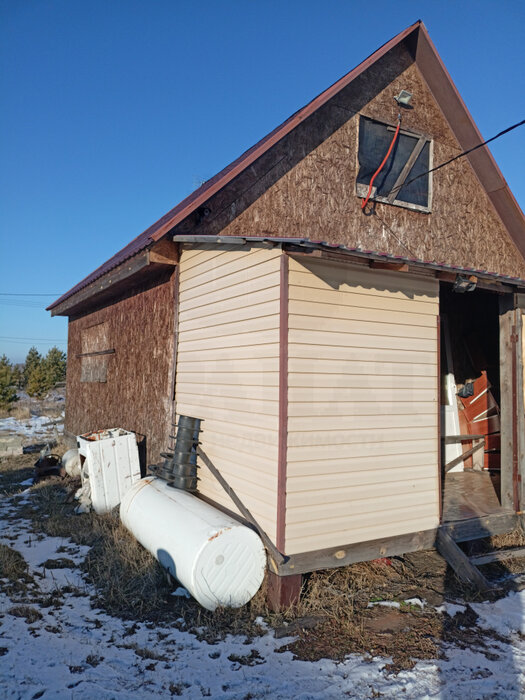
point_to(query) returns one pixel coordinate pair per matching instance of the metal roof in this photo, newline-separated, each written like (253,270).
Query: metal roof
(358,252)
(440,83)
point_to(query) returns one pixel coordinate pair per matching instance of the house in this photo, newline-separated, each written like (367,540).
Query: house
(323,337)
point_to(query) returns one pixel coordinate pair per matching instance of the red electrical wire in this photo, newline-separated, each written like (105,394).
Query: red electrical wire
(365,201)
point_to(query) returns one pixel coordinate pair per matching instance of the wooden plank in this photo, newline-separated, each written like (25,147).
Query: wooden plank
(451,439)
(164,252)
(477,528)
(400,181)
(499,555)
(272,549)
(464,456)
(459,561)
(345,554)
(507,402)
(110,279)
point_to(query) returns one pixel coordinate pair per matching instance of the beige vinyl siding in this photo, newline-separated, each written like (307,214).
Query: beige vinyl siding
(362,456)
(228,369)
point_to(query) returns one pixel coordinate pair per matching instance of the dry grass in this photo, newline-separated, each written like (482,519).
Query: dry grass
(131,584)
(19,411)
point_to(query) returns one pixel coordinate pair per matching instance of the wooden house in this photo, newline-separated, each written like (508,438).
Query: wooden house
(316,337)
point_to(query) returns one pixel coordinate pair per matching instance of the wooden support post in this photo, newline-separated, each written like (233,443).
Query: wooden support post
(508,408)
(283,591)
(459,561)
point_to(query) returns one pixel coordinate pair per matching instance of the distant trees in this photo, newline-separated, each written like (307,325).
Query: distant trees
(37,376)
(7,383)
(43,373)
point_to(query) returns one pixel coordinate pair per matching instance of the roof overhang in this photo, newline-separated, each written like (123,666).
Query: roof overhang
(139,269)
(372,258)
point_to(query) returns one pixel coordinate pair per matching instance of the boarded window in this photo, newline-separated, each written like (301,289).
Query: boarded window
(95,353)
(404,179)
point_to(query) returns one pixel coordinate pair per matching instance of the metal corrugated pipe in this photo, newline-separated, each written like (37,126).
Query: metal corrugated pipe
(179,468)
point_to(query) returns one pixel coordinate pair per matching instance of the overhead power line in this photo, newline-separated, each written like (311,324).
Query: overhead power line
(21,294)
(460,155)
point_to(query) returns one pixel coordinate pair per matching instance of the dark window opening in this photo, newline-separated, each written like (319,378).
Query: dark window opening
(396,183)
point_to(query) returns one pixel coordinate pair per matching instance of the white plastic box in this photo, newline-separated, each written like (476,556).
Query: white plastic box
(110,463)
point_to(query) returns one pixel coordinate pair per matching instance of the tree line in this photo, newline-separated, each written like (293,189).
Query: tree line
(36,376)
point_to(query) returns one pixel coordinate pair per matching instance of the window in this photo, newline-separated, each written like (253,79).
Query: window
(395,183)
(95,353)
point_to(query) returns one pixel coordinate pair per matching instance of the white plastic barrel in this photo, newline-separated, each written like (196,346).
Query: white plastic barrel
(217,559)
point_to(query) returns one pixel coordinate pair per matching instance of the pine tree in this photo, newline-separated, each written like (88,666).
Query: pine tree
(37,383)
(33,359)
(7,383)
(55,366)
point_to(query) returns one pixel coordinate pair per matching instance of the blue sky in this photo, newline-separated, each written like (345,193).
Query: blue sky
(113,111)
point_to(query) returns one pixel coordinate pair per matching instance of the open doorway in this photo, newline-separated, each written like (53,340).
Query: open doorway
(470,401)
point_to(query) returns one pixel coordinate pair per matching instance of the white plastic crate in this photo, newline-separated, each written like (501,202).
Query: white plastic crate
(110,465)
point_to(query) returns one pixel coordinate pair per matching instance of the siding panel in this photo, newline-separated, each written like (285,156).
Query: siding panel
(362,415)
(228,369)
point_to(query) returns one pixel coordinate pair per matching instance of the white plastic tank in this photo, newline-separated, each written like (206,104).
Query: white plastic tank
(217,559)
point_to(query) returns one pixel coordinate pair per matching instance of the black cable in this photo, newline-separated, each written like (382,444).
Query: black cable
(460,155)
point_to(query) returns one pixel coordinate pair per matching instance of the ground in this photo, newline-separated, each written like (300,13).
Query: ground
(85,612)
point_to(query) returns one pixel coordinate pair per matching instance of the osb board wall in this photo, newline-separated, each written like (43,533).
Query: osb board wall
(136,393)
(228,370)
(311,194)
(363,449)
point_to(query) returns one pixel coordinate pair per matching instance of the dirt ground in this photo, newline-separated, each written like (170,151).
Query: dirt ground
(388,608)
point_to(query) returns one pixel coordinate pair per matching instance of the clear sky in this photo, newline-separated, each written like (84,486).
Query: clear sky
(114,110)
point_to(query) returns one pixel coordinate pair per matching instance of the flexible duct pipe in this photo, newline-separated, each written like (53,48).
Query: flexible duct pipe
(218,560)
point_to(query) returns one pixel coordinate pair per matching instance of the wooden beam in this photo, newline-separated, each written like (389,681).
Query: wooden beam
(272,549)
(465,455)
(165,252)
(94,354)
(452,439)
(122,272)
(283,591)
(458,560)
(478,528)
(397,267)
(508,408)
(398,185)
(500,555)
(359,551)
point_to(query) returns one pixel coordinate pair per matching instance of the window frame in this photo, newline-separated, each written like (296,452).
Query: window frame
(361,189)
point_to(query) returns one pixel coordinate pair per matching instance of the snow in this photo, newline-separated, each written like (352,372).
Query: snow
(77,651)
(31,427)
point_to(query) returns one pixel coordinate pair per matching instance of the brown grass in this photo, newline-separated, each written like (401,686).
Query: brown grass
(131,584)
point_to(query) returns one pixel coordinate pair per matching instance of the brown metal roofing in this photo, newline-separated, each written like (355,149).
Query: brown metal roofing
(445,93)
